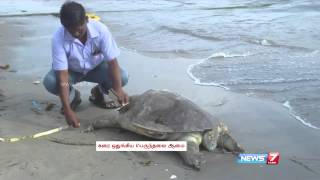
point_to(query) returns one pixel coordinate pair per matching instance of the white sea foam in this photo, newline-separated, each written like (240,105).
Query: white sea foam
(197,81)
(292,113)
(265,42)
(227,55)
(128,49)
(313,54)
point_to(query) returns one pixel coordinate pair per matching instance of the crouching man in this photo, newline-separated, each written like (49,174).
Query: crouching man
(84,50)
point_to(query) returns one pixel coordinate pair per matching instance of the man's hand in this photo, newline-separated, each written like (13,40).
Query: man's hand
(116,82)
(123,98)
(71,118)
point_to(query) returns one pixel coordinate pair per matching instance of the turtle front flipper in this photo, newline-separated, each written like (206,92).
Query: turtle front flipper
(109,120)
(192,157)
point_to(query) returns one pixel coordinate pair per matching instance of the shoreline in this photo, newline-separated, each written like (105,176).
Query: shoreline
(286,104)
(197,82)
(259,125)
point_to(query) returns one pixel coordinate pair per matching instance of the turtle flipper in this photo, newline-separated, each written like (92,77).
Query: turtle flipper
(192,157)
(194,160)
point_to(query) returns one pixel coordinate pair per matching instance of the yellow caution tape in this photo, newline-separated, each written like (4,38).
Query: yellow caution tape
(93,16)
(15,139)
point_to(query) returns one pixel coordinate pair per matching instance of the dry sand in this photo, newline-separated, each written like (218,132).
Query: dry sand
(258,125)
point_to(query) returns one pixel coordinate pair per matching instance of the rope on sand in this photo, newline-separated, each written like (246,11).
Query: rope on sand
(45,133)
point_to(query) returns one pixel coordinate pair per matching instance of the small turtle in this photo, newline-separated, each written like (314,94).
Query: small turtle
(165,115)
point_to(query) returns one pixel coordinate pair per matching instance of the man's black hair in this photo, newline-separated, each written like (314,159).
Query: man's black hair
(72,14)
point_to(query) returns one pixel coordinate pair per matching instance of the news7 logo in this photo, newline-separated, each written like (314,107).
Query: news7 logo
(271,158)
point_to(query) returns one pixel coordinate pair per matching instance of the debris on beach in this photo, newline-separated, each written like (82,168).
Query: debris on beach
(36,107)
(173,176)
(49,106)
(3,108)
(2,97)
(145,163)
(36,82)
(13,71)
(5,67)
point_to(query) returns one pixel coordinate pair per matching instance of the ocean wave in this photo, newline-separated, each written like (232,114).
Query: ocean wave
(244,81)
(269,81)
(174,51)
(247,6)
(312,54)
(250,40)
(181,2)
(214,55)
(241,82)
(23,14)
(227,55)
(270,43)
(271,89)
(190,33)
(128,49)
(197,81)
(292,113)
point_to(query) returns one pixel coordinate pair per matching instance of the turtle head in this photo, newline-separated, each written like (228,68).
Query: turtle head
(227,142)
(210,139)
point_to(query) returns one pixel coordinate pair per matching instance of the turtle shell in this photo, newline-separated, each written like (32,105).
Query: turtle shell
(164,111)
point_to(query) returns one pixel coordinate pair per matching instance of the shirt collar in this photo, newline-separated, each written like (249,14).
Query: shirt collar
(91,30)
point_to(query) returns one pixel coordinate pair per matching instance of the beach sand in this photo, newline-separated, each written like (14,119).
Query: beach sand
(258,125)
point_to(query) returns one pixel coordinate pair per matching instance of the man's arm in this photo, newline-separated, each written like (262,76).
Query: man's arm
(116,81)
(64,88)
(63,78)
(110,51)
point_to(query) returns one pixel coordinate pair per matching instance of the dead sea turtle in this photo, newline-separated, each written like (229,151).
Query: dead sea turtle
(165,115)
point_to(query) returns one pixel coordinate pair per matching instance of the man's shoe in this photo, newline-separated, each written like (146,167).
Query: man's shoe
(98,99)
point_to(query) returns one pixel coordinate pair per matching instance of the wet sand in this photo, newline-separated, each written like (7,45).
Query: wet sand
(258,125)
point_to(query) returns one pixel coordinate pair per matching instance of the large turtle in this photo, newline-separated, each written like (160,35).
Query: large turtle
(165,115)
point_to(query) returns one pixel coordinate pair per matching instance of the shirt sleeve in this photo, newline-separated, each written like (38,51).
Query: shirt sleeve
(109,46)
(59,57)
